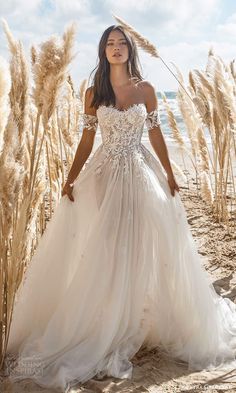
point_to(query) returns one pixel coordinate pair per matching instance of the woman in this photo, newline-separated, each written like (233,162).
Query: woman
(117,267)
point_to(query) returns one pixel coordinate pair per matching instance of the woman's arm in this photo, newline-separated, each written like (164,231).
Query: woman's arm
(156,137)
(84,148)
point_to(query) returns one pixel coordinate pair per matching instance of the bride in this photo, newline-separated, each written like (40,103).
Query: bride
(117,267)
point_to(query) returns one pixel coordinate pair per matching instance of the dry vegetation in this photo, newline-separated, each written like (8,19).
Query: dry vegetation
(207,104)
(39,135)
(210,110)
(39,132)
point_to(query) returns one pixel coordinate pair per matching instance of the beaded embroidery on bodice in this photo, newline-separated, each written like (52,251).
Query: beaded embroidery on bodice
(121,132)
(121,129)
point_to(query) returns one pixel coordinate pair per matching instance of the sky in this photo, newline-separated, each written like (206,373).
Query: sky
(183,31)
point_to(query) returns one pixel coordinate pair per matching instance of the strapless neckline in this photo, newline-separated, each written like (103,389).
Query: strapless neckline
(123,110)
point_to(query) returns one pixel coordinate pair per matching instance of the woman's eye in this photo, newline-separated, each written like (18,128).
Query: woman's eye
(111,43)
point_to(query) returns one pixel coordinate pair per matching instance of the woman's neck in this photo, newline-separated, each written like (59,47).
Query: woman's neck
(119,77)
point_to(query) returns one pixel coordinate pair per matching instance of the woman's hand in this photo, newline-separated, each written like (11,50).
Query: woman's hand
(172,184)
(67,190)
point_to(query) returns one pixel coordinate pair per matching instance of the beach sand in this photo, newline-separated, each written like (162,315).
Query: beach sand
(153,371)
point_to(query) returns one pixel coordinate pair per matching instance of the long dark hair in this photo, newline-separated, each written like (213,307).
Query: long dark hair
(102,89)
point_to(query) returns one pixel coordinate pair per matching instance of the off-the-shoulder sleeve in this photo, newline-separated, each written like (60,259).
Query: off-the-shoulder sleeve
(90,122)
(153,119)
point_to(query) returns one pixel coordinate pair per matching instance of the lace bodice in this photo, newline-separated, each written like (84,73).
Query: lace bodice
(122,129)
(121,132)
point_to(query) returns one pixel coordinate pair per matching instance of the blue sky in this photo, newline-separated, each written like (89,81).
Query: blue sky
(182,30)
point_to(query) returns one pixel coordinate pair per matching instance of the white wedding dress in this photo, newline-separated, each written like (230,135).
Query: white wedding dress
(117,269)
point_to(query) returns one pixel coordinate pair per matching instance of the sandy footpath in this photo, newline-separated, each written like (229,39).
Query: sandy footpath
(153,371)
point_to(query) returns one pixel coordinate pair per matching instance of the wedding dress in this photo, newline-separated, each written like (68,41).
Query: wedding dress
(117,269)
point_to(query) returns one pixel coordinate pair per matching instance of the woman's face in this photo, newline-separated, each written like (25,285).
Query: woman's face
(117,48)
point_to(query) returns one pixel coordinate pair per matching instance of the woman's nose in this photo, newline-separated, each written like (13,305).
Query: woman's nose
(117,45)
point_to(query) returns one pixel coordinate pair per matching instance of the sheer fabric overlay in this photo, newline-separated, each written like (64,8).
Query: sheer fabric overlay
(115,270)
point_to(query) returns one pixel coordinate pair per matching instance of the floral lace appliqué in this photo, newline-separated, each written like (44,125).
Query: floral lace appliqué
(90,122)
(121,133)
(153,119)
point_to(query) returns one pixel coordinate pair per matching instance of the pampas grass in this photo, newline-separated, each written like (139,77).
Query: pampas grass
(32,159)
(14,163)
(178,170)
(141,41)
(177,136)
(82,90)
(11,176)
(213,94)
(146,45)
(39,130)
(206,190)
(213,113)
(49,74)
(5,85)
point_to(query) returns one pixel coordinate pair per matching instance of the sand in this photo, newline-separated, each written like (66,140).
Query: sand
(153,371)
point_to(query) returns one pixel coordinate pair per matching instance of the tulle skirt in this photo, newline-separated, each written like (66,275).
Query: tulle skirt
(115,270)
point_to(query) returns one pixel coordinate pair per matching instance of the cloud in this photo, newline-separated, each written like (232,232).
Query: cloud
(227,31)
(14,7)
(182,30)
(186,57)
(166,17)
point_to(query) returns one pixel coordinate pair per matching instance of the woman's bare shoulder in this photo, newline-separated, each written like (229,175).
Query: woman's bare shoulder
(149,95)
(146,86)
(89,93)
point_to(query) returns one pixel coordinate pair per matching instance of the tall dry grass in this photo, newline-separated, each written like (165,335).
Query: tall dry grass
(207,103)
(39,135)
(210,113)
